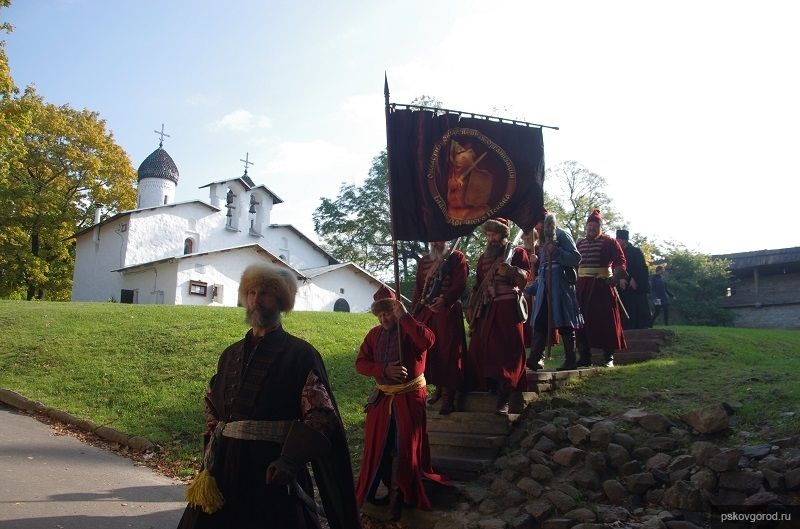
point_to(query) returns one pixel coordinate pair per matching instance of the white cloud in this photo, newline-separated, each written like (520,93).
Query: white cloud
(241,120)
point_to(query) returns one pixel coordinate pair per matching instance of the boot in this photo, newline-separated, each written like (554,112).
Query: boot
(384,474)
(395,510)
(608,358)
(585,359)
(433,399)
(502,402)
(569,354)
(536,359)
(448,401)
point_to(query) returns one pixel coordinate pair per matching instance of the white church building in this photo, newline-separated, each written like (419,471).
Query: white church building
(193,253)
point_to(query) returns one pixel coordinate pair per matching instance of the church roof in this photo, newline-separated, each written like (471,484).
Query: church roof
(159,165)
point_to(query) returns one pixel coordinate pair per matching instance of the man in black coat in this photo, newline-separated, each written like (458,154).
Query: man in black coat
(633,291)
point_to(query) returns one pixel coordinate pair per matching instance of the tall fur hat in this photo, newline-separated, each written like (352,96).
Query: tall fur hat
(595,216)
(281,282)
(622,235)
(383,300)
(498,225)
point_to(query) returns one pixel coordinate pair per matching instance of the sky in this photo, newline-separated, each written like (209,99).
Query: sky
(689,110)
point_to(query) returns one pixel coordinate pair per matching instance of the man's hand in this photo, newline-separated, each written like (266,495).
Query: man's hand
(504,269)
(281,472)
(395,371)
(623,284)
(634,284)
(398,309)
(436,305)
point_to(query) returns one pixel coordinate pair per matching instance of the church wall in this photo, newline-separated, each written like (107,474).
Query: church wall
(97,252)
(151,192)
(301,255)
(327,288)
(152,285)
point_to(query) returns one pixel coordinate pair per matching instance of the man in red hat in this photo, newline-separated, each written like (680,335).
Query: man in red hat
(601,269)
(445,317)
(496,354)
(396,447)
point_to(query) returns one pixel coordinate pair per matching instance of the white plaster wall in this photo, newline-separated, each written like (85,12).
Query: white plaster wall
(151,192)
(358,290)
(155,285)
(92,279)
(301,254)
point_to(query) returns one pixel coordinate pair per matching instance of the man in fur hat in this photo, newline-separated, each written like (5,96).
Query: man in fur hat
(496,354)
(556,305)
(602,267)
(270,413)
(445,317)
(396,450)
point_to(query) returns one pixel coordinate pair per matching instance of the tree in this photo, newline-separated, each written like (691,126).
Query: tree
(699,282)
(573,192)
(64,165)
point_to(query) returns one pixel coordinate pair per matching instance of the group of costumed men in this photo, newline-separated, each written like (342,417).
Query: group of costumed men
(271,411)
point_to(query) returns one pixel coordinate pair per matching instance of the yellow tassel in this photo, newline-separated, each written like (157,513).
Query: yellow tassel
(204,493)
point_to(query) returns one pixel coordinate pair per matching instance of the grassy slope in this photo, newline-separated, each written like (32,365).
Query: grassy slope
(143,369)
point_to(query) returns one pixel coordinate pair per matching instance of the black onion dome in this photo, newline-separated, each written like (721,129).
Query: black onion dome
(159,165)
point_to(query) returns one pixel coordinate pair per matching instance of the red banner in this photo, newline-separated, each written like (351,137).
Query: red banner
(448,174)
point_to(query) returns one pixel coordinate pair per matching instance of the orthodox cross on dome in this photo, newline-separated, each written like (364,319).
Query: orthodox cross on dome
(246,162)
(161,142)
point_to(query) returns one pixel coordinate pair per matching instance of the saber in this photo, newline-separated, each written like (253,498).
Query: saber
(307,500)
(619,301)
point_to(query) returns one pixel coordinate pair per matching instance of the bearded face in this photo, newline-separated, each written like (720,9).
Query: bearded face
(438,249)
(495,243)
(265,317)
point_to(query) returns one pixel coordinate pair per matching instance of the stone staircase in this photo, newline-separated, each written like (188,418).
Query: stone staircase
(466,443)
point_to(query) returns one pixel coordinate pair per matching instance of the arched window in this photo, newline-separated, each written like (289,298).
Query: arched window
(188,244)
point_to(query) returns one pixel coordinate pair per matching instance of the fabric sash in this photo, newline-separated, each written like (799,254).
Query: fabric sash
(246,430)
(406,387)
(600,272)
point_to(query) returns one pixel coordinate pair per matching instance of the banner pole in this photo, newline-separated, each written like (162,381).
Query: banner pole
(391,209)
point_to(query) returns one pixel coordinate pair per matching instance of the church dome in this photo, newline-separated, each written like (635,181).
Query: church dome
(158,165)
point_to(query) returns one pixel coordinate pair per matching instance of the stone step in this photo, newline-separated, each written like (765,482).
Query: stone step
(471,423)
(461,468)
(487,402)
(663,335)
(465,445)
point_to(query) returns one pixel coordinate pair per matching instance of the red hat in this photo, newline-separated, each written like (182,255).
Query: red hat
(498,225)
(595,216)
(383,300)
(383,292)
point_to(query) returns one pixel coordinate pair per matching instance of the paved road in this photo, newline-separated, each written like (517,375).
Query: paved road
(50,481)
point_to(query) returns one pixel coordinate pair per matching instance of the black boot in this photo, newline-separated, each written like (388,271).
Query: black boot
(585,359)
(502,401)
(395,510)
(608,358)
(569,354)
(448,401)
(536,359)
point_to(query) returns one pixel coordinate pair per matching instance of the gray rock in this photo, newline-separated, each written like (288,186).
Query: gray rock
(659,461)
(578,434)
(662,443)
(595,461)
(569,456)
(539,510)
(705,479)
(586,478)
(703,451)
(624,440)
(629,468)
(545,445)
(757,451)
(612,513)
(561,501)
(618,455)
(615,491)
(489,506)
(655,423)
(725,460)
(792,479)
(643,453)
(686,496)
(681,462)
(710,419)
(581,514)
(742,480)
(640,483)
(541,473)
(531,487)
(518,463)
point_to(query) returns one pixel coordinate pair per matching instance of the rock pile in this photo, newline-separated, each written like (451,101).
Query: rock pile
(565,467)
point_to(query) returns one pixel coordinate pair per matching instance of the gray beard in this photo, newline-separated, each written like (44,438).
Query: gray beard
(263,318)
(493,252)
(436,254)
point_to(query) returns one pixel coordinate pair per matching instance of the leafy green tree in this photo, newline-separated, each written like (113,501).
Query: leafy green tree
(699,282)
(64,165)
(572,192)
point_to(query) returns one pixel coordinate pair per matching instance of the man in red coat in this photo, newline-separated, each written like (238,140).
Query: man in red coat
(602,267)
(441,280)
(496,354)
(396,449)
